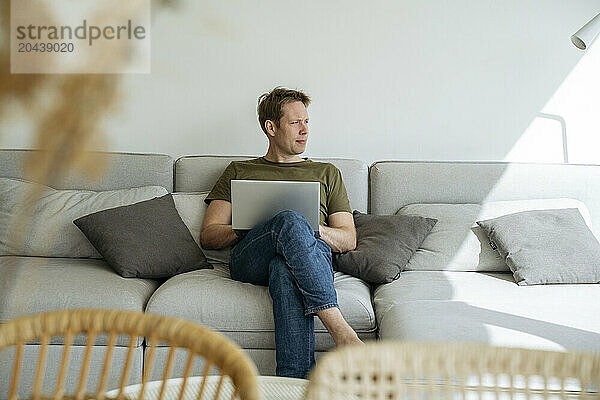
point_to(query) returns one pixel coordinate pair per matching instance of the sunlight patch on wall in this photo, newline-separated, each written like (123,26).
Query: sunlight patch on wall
(577,101)
(542,141)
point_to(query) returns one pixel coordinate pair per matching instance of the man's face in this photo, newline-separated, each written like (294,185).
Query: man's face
(291,136)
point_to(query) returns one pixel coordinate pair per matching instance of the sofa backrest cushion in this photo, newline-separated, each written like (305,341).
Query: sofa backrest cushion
(119,170)
(457,243)
(470,191)
(191,208)
(37,220)
(394,184)
(199,174)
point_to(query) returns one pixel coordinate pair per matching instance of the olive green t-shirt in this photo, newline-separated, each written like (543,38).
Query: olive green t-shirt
(333,196)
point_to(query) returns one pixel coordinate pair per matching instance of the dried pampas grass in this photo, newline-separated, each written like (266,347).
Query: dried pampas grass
(67,111)
(65,127)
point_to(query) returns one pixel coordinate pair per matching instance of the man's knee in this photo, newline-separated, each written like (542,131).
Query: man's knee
(290,216)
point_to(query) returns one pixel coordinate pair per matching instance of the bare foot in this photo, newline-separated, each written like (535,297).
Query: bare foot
(347,340)
(340,331)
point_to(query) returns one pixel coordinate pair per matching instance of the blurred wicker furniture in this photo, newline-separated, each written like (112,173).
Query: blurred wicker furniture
(270,388)
(216,350)
(400,370)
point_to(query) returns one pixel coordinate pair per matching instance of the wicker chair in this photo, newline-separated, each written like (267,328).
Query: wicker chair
(389,370)
(216,350)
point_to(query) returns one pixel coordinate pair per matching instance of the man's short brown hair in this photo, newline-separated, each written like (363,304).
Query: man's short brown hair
(270,105)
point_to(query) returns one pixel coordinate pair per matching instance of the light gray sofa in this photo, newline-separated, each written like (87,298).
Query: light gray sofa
(433,305)
(463,305)
(30,285)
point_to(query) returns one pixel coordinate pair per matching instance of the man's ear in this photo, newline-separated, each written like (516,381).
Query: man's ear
(270,126)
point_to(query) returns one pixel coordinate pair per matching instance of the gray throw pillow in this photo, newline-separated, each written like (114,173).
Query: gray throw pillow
(546,246)
(144,240)
(384,244)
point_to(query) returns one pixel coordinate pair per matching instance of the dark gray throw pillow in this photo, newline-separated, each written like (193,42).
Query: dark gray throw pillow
(384,244)
(144,240)
(546,246)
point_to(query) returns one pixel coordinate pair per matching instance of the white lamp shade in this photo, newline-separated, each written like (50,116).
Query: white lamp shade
(584,37)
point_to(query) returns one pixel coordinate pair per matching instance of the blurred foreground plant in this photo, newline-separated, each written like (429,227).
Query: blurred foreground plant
(67,111)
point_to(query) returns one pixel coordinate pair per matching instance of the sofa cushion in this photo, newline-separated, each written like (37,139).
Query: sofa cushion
(243,311)
(147,239)
(116,170)
(452,244)
(45,227)
(385,243)
(200,173)
(263,359)
(457,243)
(546,246)
(191,208)
(32,285)
(489,308)
(394,184)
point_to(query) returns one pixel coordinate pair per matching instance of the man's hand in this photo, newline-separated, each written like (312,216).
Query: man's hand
(340,235)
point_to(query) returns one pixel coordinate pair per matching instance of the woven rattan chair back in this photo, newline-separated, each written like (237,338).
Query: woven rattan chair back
(215,350)
(409,371)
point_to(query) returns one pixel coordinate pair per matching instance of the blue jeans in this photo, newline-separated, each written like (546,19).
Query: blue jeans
(284,254)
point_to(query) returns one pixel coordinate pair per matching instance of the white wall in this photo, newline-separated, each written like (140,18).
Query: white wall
(408,79)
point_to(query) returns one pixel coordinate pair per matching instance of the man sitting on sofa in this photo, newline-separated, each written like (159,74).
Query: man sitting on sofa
(283,252)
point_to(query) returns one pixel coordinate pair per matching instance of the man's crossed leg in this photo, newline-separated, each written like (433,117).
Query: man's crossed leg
(284,254)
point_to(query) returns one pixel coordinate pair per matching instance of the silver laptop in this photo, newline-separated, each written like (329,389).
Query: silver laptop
(253,201)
